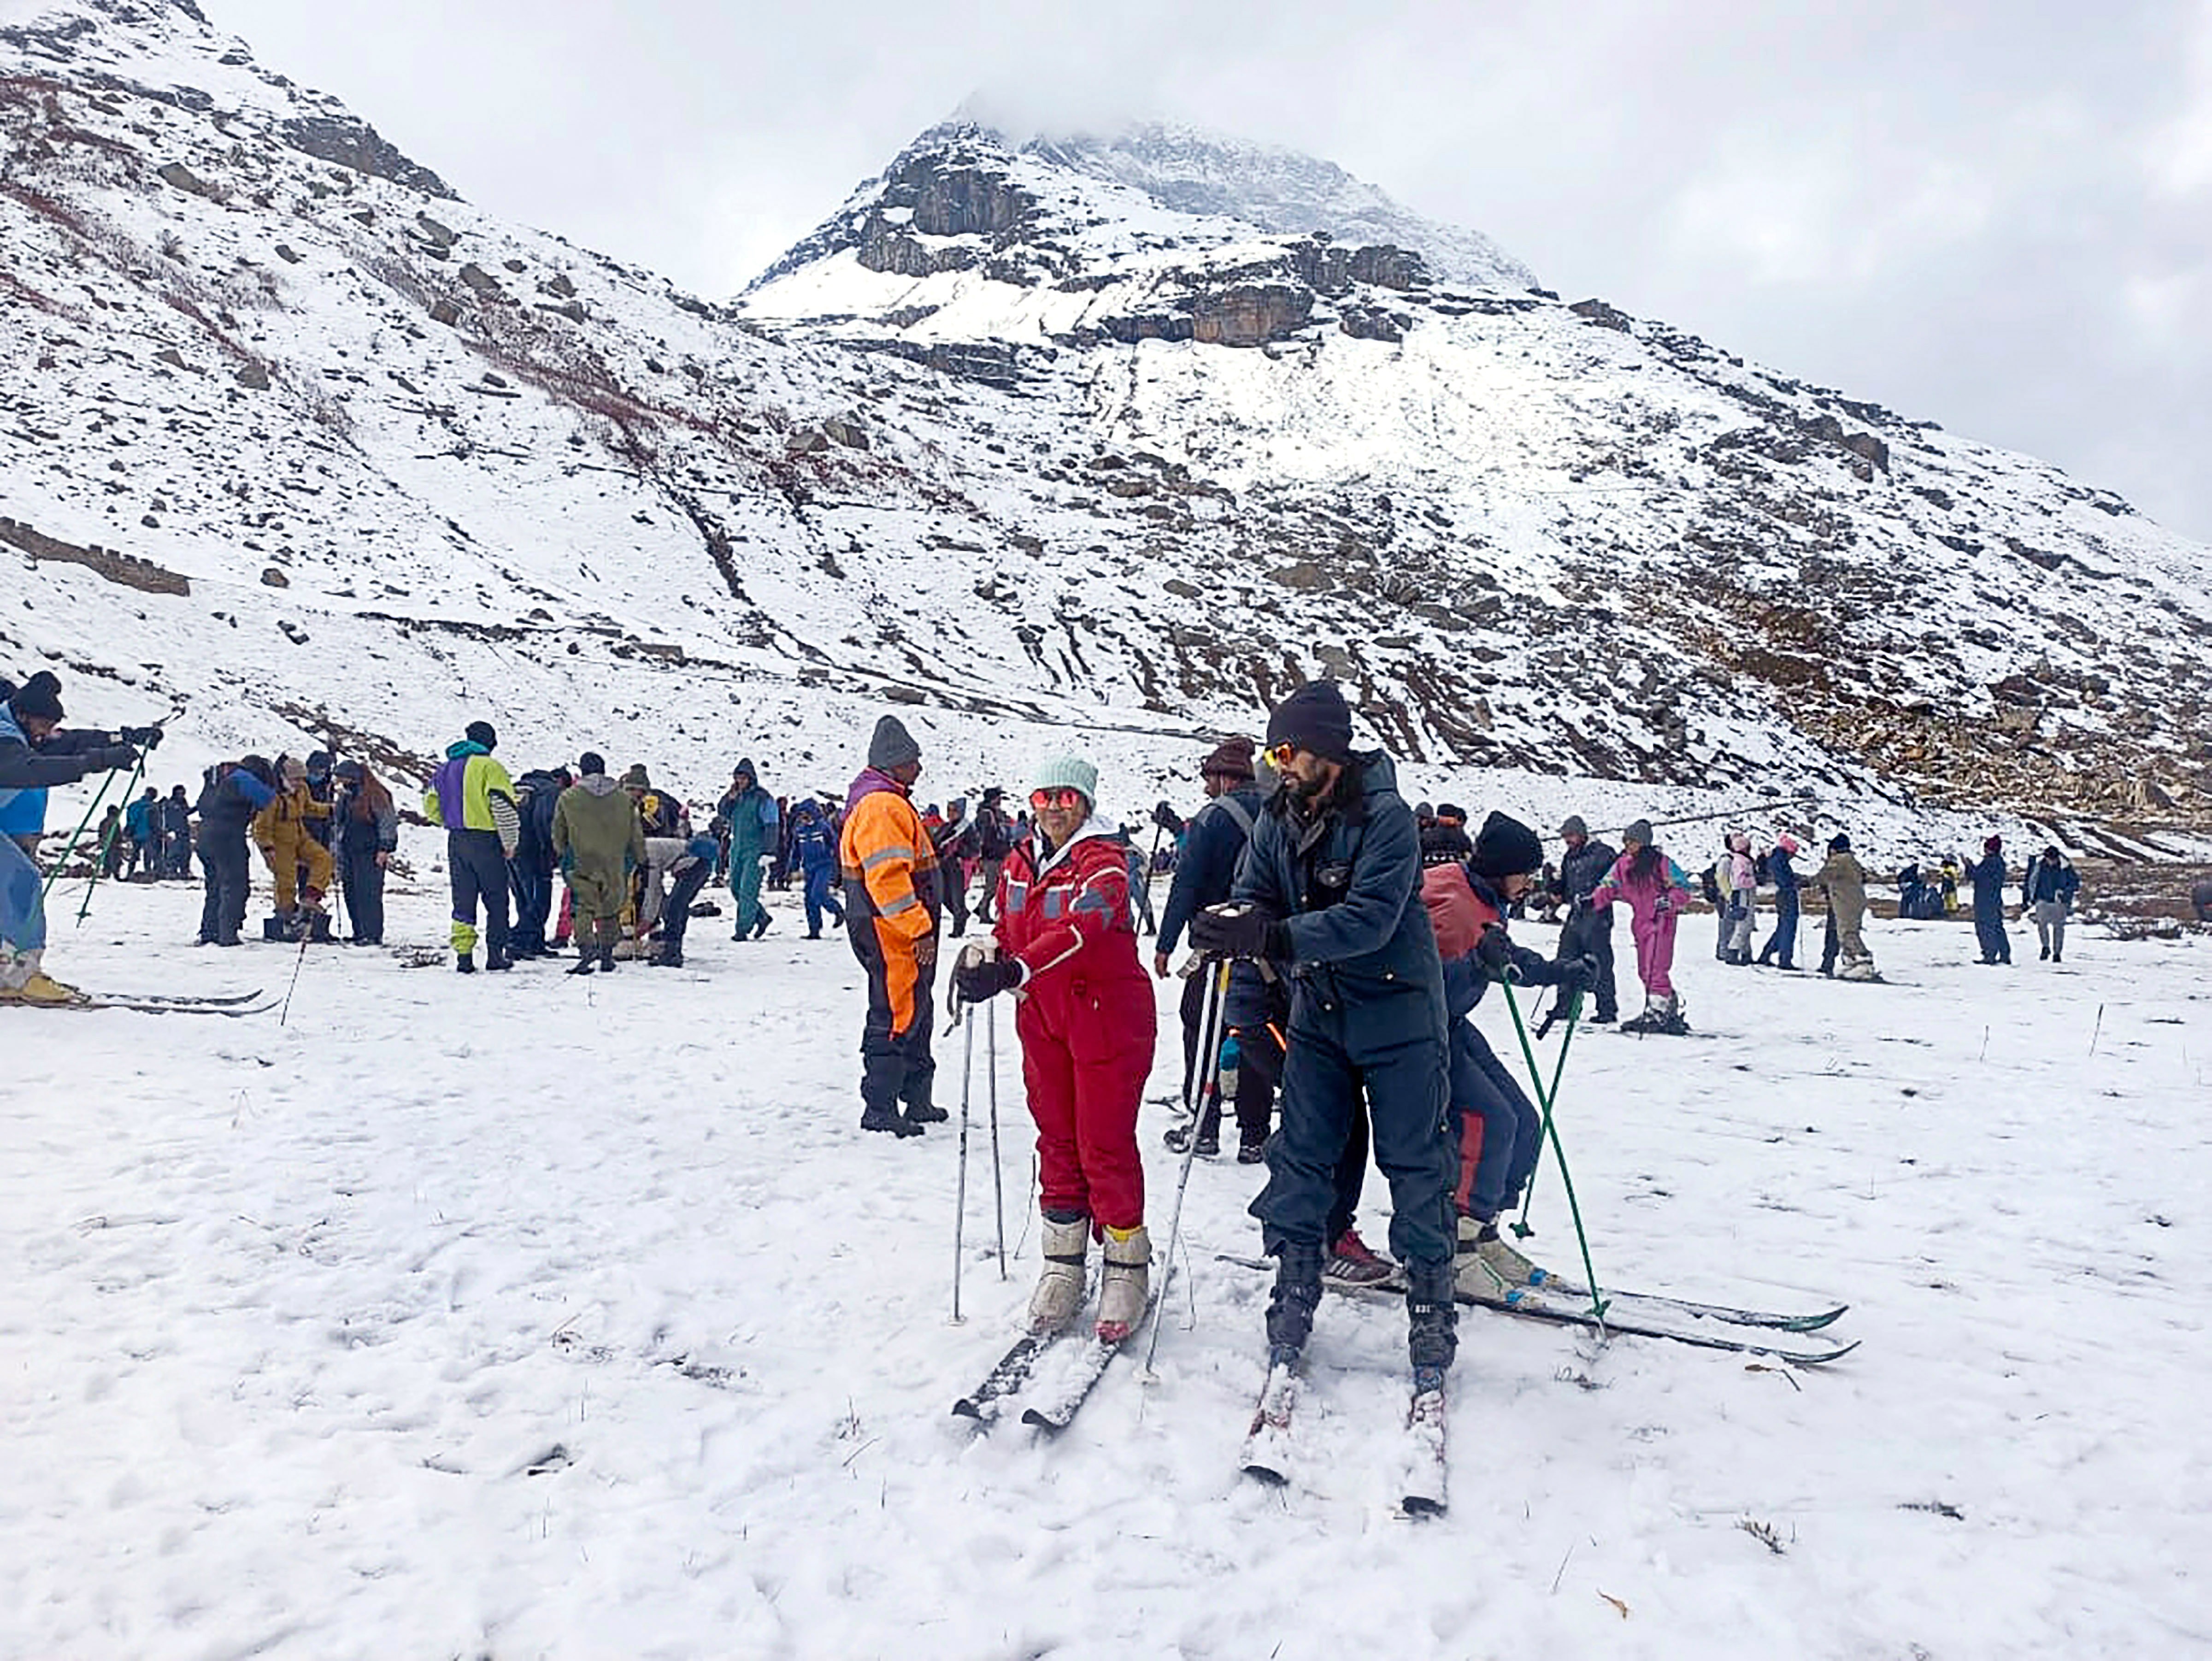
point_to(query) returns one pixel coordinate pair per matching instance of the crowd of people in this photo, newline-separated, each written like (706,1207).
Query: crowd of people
(1339,938)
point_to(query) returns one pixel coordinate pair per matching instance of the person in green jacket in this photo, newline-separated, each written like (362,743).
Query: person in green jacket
(750,812)
(600,840)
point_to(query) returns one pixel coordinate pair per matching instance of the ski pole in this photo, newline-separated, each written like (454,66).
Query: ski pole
(998,1179)
(960,1199)
(54,876)
(1209,1051)
(1521,1229)
(1551,1124)
(298,962)
(107,841)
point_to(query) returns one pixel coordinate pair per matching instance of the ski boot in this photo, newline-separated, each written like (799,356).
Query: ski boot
(23,980)
(1291,1306)
(1431,1321)
(1671,1020)
(1059,1291)
(1125,1283)
(1483,1240)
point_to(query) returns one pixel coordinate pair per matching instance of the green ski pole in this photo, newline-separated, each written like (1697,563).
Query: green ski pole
(1521,1229)
(54,876)
(107,841)
(1574,1207)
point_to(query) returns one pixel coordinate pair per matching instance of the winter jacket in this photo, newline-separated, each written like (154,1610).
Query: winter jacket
(1988,876)
(994,832)
(1665,886)
(752,819)
(286,811)
(1844,879)
(138,820)
(1583,868)
(1214,839)
(890,868)
(1781,874)
(595,828)
(813,839)
(471,791)
(535,806)
(363,830)
(229,803)
(1346,878)
(1463,907)
(63,758)
(1066,913)
(2045,882)
(175,816)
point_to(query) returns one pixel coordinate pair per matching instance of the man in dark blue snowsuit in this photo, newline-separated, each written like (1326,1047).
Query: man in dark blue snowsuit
(1988,874)
(1329,893)
(814,846)
(531,868)
(1781,946)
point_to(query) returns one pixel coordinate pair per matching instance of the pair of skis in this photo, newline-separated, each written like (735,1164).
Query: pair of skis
(1270,1451)
(1064,1388)
(154,1003)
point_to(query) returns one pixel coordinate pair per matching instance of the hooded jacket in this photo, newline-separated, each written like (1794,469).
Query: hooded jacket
(471,791)
(595,828)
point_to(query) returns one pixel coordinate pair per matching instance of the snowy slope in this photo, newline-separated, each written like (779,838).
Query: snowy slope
(540,1316)
(290,435)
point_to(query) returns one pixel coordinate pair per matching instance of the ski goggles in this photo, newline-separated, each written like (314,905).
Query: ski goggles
(1057,795)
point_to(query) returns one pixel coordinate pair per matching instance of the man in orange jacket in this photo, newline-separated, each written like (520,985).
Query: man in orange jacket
(890,868)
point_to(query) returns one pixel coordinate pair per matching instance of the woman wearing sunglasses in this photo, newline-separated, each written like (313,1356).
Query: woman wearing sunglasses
(1066,946)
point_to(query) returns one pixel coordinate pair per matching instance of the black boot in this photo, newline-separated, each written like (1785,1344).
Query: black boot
(1431,1319)
(1297,1295)
(888,1119)
(584,966)
(498,963)
(606,960)
(463,963)
(923,1113)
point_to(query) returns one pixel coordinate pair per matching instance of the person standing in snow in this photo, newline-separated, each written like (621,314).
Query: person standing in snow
(1329,894)
(1844,881)
(1495,1125)
(138,823)
(471,796)
(35,755)
(1988,876)
(889,871)
(953,838)
(175,821)
(750,812)
(599,839)
(367,823)
(531,868)
(994,840)
(1213,841)
(1656,890)
(283,832)
(2046,893)
(1587,932)
(1742,908)
(232,795)
(814,850)
(1065,945)
(1781,948)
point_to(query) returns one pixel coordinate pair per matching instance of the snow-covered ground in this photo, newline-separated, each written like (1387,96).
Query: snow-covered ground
(537,1316)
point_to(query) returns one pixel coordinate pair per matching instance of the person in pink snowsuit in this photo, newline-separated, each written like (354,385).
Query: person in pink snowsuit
(1656,890)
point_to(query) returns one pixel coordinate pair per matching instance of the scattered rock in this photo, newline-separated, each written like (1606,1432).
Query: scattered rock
(172,356)
(273,578)
(558,284)
(183,178)
(252,375)
(444,236)
(445,311)
(289,254)
(481,280)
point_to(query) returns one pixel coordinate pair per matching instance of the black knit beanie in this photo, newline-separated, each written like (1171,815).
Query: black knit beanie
(1506,847)
(1316,719)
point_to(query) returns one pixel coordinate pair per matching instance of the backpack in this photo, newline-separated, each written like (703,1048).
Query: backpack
(1709,876)
(1761,873)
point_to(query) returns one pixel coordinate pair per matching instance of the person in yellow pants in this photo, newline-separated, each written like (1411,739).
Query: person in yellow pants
(280,831)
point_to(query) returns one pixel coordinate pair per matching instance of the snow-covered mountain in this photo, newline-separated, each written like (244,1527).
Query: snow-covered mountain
(1124,436)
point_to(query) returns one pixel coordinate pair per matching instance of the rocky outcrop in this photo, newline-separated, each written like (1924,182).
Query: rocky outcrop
(1250,314)
(356,144)
(127,570)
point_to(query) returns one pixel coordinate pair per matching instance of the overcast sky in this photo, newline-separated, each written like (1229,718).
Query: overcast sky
(1994,215)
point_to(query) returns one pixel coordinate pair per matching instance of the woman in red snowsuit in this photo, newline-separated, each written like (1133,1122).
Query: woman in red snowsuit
(1066,946)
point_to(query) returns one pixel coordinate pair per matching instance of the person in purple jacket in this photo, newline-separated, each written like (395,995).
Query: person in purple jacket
(1655,890)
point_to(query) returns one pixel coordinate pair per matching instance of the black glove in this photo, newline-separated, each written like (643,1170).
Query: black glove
(146,738)
(975,981)
(1239,931)
(1495,953)
(115,758)
(1166,818)
(1577,974)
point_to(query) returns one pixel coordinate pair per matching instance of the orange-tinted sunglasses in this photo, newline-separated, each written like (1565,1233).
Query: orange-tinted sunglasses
(1058,795)
(1278,755)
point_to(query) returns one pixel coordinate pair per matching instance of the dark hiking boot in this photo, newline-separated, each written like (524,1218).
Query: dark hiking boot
(760,926)
(606,960)
(463,963)
(2045,957)
(583,966)
(1432,1316)
(1251,1150)
(923,1113)
(1297,1293)
(883,1118)
(669,957)
(1209,1143)
(498,963)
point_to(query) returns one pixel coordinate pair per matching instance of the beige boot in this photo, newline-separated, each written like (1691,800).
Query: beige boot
(1125,1283)
(23,980)
(1060,1290)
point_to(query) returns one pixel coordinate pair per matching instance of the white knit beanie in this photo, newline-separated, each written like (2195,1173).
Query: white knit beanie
(1067,772)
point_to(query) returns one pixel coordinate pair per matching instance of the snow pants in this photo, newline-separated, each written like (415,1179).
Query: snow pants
(1086,1051)
(1781,945)
(229,878)
(686,880)
(290,846)
(22,908)
(821,896)
(1655,951)
(746,888)
(1589,934)
(1498,1124)
(598,892)
(990,894)
(2050,925)
(532,876)
(895,1064)
(362,884)
(478,866)
(1990,930)
(1741,916)
(952,882)
(1330,1064)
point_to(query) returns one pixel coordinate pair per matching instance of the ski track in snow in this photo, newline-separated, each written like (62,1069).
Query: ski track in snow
(542,1315)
